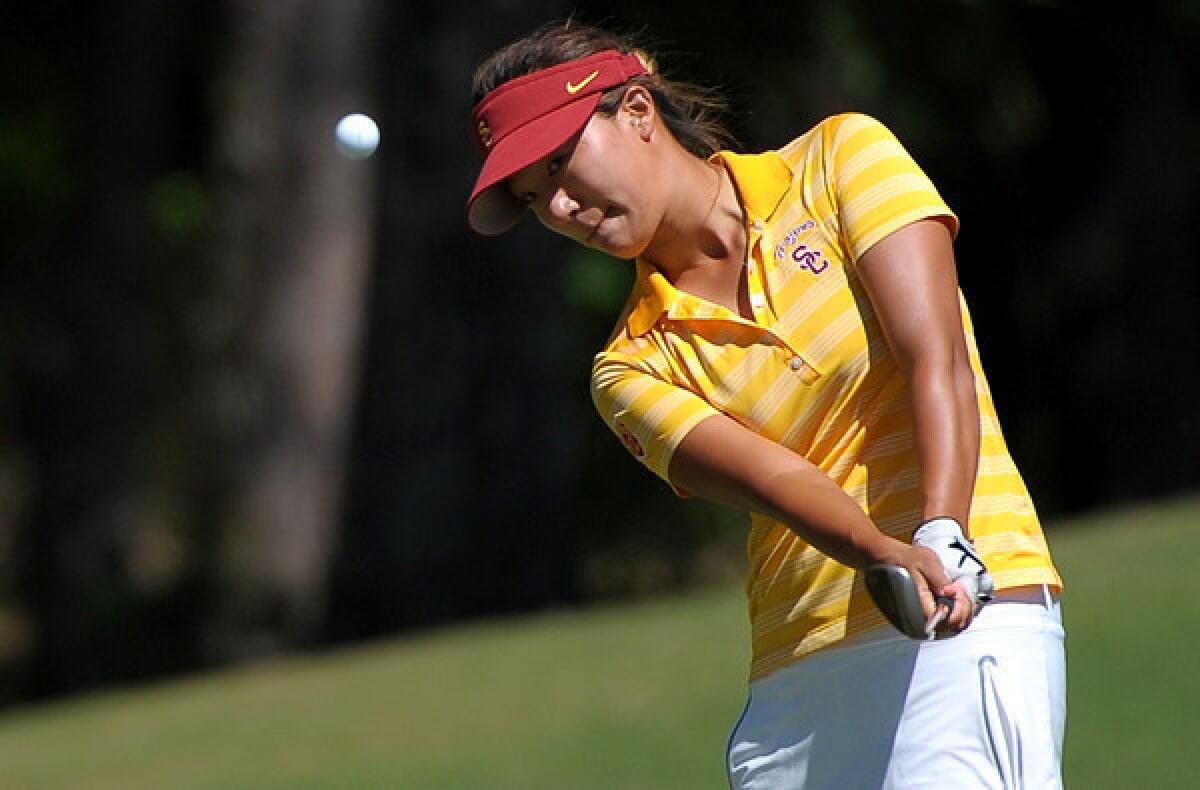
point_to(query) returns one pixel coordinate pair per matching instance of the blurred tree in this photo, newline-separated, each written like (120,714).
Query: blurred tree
(278,327)
(463,470)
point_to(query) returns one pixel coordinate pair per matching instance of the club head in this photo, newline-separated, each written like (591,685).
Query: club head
(895,593)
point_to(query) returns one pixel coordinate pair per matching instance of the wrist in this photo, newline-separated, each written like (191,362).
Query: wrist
(884,550)
(933,527)
(945,508)
(962,563)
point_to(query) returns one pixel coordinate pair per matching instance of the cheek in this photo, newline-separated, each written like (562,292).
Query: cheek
(641,186)
(598,162)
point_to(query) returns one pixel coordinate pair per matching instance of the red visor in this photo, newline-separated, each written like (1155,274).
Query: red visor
(530,117)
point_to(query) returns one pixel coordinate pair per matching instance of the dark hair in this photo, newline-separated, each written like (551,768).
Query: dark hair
(692,113)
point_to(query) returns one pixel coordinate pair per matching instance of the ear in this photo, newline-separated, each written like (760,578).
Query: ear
(637,108)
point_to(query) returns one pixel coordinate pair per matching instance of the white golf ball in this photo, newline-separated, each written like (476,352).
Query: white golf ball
(357,136)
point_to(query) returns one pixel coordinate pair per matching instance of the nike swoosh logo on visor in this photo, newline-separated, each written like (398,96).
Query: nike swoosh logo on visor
(573,88)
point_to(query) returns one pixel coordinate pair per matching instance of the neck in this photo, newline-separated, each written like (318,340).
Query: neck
(701,245)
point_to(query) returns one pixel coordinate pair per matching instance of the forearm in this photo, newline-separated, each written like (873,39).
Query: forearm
(946,422)
(724,462)
(911,278)
(817,509)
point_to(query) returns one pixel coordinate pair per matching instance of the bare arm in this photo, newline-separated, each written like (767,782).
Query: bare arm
(723,461)
(911,279)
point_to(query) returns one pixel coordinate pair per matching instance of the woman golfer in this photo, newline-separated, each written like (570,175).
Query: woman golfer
(796,345)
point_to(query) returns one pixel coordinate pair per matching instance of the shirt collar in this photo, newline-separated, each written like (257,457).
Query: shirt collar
(652,296)
(762,181)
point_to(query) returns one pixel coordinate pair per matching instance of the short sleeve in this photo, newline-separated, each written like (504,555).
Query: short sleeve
(877,185)
(649,415)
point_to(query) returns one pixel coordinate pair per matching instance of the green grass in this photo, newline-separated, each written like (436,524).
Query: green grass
(619,697)
(1133,634)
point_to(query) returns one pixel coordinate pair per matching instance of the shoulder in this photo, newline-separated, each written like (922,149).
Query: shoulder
(828,142)
(836,130)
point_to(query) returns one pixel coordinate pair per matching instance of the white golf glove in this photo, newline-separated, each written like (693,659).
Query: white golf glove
(962,564)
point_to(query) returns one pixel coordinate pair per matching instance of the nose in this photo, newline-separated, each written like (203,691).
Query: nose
(562,206)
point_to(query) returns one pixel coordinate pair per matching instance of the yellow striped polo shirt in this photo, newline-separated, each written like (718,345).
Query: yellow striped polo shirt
(813,372)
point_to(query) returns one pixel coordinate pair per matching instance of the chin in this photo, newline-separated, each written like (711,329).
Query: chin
(617,249)
(616,237)
(619,245)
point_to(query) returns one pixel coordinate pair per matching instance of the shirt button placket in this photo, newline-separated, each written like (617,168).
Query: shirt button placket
(801,368)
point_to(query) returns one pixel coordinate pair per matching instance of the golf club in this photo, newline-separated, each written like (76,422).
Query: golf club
(895,593)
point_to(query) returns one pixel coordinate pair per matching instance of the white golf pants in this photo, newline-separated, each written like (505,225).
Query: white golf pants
(986,709)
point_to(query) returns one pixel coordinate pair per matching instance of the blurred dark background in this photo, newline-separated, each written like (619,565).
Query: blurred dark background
(256,397)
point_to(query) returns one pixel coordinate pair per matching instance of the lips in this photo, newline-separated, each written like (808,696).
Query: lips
(591,228)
